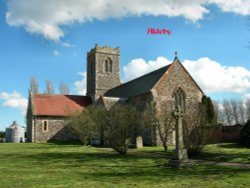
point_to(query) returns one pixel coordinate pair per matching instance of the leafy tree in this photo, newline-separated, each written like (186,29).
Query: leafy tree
(121,122)
(116,126)
(84,124)
(245,134)
(209,108)
(193,128)
(2,134)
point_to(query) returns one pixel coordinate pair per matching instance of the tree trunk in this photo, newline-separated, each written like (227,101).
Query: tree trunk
(165,147)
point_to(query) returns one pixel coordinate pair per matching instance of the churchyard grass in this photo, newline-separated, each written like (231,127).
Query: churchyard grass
(226,152)
(59,165)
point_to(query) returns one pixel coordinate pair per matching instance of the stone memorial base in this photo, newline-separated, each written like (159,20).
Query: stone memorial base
(179,163)
(180,154)
(179,159)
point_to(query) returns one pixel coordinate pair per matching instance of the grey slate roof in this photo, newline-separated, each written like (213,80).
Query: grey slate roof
(137,86)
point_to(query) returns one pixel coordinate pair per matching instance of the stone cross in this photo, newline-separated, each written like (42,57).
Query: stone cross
(180,157)
(179,114)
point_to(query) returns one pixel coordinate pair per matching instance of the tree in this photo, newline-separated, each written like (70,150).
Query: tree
(245,134)
(228,112)
(63,88)
(2,134)
(49,87)
(116,126)
(194,129)
(121,122)
(84,124)
(242,112)
(34,86)
(247,109)
(209,108)
(163,120)
(219,112)
(235,113)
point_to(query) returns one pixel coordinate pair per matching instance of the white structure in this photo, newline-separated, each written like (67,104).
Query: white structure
(14,133)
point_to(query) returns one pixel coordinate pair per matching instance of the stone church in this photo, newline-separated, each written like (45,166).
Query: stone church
(169,86)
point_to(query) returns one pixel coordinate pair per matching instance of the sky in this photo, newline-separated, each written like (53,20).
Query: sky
(49,40)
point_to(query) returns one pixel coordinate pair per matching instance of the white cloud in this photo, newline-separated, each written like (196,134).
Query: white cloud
(80,85)
(139,67)
(213,77)
(47,17)
(246,97)
(14,100)
(241,7)
(56,53)
(210,75)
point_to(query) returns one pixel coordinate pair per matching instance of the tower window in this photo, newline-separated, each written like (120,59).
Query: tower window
(108,65)
(45,126)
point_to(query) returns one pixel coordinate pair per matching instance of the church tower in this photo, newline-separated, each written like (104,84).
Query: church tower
(103,70)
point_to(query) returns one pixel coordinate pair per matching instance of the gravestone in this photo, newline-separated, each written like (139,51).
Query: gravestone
(180,157)
(139,142)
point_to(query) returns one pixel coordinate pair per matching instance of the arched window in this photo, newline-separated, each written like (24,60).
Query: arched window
(45,126)
(108,65)
(179,99)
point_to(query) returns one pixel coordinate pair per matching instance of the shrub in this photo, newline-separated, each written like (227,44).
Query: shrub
(245,134)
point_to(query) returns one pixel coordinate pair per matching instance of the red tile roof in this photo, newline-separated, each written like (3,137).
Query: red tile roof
(58,105)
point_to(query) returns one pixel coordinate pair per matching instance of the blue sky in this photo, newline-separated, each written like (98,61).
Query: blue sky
(49,39)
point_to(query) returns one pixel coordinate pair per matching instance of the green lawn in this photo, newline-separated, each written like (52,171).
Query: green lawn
(51,165)
(226,152)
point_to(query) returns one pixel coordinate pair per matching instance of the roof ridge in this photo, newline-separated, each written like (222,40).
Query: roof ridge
(140,77)
(44,94)
(139,85)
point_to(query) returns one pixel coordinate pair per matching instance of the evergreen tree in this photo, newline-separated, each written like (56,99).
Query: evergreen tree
(211,116)
(245,134)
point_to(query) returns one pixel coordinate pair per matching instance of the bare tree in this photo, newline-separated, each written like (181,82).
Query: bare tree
(49,87)
(63,88)
(228,112)
(247,103)
(235,112)
(242,112)
(163,120)
(219,112)
(34,87)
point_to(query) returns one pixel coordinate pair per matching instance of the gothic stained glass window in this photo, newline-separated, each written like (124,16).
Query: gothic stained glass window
(179,99)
